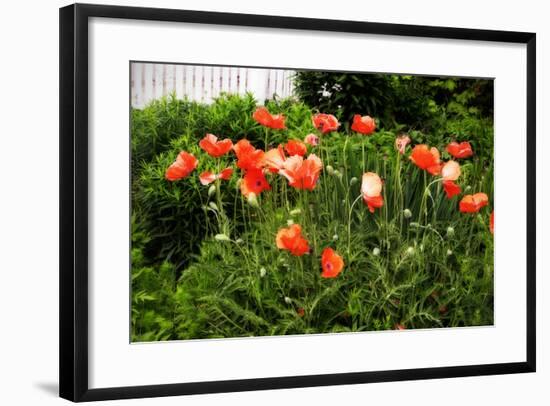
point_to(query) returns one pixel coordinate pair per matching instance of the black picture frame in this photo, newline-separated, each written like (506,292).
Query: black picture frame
(73,278)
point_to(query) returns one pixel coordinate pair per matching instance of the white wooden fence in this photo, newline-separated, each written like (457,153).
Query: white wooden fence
(151,81)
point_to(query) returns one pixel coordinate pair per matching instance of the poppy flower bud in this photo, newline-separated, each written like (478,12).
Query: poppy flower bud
(252,200)
(449,253)
(222,237)
(335,237)
(353,181)
(211,190)
(289,222)
(239,241)
(468,188)
(330,170)
(415,225)
(262,272)
(337,173)
(450,231)
(407,213)
(213,205)
(295,212)
(376,251)
(410,251)
(288,300)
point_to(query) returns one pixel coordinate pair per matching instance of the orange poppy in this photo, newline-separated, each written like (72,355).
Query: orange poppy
(364,125)
(291,239)
(255,182)
(325,122)
(401,143)
(265,118)
(274,159)
(214,147)
(426,158)
(294,147)
(312,139)
(248,157)
(451,188)
(492,222)
(473,203)
(400,326)
(208,177)
(462,150)
(371,189)
(185,164)
(302,173)
(332,263)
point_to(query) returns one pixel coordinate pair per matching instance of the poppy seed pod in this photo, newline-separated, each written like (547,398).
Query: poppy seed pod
(295,212)
(450,231)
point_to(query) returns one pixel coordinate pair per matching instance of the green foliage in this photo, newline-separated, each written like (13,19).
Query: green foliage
(414,102)
(206,265)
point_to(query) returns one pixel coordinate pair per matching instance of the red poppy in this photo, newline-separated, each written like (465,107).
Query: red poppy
(185,164)
(364,125)
(399,326)
(492,222)
(302,173)
(325,122)
(300,312)
(462,150)
(265,118)
(208,177)
(312,139)
(255,182)
(371,189)
(426,158)
(274,159)
(473,203)
(291,239)
(401,143)
(248,157)
(451,188)
(214,147)
(294,147)
(332,263)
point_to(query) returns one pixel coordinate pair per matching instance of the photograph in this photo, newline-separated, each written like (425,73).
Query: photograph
(275,201)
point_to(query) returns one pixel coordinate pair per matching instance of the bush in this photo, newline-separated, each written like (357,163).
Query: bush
(410,101)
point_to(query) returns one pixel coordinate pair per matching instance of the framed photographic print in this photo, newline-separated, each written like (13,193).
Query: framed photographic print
(256,202)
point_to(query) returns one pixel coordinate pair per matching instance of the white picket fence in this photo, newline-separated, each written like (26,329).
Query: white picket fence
(151,81)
